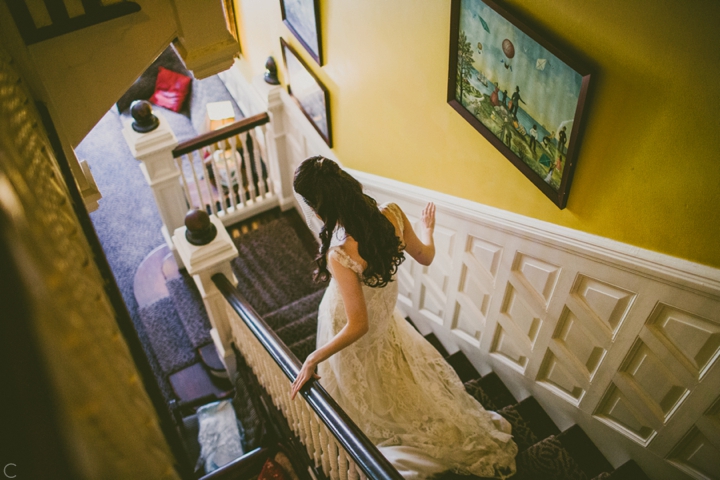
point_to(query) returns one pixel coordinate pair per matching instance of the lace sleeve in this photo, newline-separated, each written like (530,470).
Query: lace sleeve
(397,213)
(338,254)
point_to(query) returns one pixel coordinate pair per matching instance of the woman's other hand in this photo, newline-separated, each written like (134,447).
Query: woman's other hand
(427,218)
(307,373)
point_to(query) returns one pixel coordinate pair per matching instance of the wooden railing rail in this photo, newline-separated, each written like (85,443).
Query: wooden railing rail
(215,136)
(359,448)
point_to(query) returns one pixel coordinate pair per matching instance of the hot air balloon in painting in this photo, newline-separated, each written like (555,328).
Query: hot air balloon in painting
(479,47)
(509,50)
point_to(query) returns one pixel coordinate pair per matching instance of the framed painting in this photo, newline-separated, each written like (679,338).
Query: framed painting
(302,17)
(308,91)
(522,93)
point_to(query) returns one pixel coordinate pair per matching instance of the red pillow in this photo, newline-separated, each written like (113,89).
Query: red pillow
(272,471)
(171,88)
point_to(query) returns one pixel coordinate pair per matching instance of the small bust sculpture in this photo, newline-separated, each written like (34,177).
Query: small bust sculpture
(271,72)
(143,118)
(200,230)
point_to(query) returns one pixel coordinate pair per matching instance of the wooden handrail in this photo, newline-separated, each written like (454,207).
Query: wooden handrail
(366,455)
(221,134)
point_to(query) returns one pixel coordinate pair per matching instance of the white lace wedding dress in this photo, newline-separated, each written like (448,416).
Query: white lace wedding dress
(402,393)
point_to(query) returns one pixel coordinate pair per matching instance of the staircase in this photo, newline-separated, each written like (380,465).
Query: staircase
(274,273)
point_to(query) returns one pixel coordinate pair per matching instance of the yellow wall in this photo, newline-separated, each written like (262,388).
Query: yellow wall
(648,172)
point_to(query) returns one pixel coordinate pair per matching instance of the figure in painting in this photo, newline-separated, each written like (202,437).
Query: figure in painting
(562,138)
(533,138)
(516,99)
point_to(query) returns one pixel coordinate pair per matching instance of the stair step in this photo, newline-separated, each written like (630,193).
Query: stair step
(299,329)
(496,390)
(522,432)
(627,471)
(295,310)
(584,451)
(435,342)
(473,388)
(539,421)
(191,310)
(210,358)
(465,370)
(546,460)
(304,347)
(193,383)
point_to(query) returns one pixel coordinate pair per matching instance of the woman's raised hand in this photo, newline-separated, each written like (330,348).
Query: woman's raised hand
(427,217)
(307,373)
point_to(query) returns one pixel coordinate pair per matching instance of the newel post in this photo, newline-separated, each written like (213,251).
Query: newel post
(151,141)
(281,168)
(206,248)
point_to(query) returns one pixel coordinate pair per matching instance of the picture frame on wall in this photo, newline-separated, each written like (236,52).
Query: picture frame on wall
(302,17)
(524,95)
(308,91)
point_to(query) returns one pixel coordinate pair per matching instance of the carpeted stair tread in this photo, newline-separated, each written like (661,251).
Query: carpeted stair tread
(537,419)
(299,329)
(295,310)
(522,432)
(548,460)
(584,451)
(627,471)
(210,358)
(168,338)
(435,342)
(193,383)
(273,269)
(462,366)
(304,347)
(496,390)
(474,388)
(190,309)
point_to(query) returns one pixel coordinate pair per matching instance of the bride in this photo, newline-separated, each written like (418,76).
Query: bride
(394,385)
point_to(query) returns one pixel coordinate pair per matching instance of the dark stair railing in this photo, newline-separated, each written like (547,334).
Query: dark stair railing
(61,21)
(361,453)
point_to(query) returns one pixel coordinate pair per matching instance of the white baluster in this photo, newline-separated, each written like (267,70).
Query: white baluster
(307,433)
(352,470)
(248,171)
(190,158)
(268,180)
(224,152)
(238,167)
(325,444)
(186,189)
(258,166)
(317,445)
(208,186)
(342,465)
(333,454)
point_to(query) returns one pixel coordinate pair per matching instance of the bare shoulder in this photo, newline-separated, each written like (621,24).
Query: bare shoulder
(387,211)
(350,246)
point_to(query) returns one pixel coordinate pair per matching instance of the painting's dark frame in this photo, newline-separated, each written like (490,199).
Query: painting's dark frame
(328,138)
(560,196)
(317,56)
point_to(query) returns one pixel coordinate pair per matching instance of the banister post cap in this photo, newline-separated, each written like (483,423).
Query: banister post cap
(200,230)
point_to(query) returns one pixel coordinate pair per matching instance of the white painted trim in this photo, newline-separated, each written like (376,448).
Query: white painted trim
(672,270)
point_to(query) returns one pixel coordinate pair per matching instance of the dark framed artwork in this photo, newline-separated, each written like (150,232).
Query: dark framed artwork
(302,17)
(522,93)
(308,91)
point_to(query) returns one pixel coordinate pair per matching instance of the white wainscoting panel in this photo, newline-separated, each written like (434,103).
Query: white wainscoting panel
(622,341)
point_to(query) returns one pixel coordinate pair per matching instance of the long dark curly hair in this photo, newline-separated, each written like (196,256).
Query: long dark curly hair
(339,200)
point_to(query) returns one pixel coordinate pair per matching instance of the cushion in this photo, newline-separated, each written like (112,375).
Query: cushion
(171,89)
(272,471)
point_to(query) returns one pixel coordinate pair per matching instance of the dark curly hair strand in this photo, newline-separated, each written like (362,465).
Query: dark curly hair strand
(339,200)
